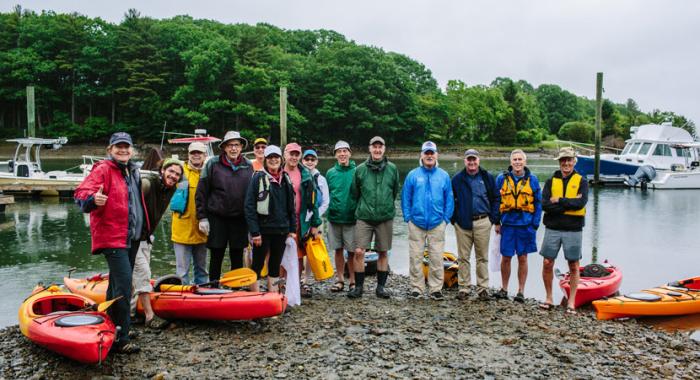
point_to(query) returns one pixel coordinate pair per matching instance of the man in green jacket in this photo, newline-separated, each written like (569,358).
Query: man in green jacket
(374,186)
(341,214)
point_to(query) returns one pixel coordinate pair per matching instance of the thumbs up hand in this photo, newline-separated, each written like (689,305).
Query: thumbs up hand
(100,199)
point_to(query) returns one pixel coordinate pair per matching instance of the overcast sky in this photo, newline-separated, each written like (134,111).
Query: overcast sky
(648,50)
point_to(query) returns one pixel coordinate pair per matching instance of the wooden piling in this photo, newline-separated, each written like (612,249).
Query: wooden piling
(598,132)
(283,117)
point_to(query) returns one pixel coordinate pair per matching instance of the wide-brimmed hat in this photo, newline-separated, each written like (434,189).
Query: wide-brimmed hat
(233,135)
(566,152)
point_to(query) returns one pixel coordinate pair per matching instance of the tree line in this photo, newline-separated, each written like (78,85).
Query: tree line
(93,77)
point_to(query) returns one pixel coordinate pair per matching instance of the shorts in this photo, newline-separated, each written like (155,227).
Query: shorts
(231,232)
(519,240)
(569,240)
(141,276)
(383,232)
(341,236)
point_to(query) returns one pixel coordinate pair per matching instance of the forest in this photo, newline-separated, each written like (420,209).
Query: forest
(92,77)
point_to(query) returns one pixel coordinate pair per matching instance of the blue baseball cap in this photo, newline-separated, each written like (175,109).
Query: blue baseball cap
(309,152)
(120,137)
(428,146)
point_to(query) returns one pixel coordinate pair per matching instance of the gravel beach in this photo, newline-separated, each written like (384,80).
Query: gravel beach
(330,337)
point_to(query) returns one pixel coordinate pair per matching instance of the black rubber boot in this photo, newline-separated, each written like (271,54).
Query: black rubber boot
(381,282)
(359,285)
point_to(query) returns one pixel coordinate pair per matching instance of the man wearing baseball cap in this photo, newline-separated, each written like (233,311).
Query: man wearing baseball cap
(341,214)
(306,209)
(375,187)
(476,210)
(220,203)
(259,146)
(564,199)
(427,204)
(189,243)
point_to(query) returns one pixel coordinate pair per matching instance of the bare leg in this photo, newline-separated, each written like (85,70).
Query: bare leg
(573,282)
(382,261)
(359,260)
(254,287)
(505,271)
(547,276)
(522,273)
(351,267)
(340,265)
(145,300)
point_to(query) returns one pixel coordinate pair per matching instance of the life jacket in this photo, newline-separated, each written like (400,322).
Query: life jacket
(263,193)
(571,192)
(518,197)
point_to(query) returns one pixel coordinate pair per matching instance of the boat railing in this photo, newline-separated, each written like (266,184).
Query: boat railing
(588,149)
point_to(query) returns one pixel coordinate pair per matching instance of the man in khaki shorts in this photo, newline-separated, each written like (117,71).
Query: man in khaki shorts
(476,210)
(375,186)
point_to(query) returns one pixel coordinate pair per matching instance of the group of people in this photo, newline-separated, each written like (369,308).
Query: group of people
(229,201)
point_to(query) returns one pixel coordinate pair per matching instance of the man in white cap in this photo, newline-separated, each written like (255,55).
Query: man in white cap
(341,214)
(220,202)
(564,199)
(427,203)
(189,242)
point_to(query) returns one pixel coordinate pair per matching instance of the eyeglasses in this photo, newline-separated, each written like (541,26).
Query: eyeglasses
(233,145)
(310,158)
(260,146)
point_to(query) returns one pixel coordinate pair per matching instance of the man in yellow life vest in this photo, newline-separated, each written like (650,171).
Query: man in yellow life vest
(564,199)
(521,211)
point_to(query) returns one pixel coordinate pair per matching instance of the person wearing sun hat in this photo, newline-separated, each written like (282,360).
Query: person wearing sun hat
(564,199)
(220,203)
(271,216)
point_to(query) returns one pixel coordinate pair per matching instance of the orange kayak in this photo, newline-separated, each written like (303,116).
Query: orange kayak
(675,298)
(188,302)
(66,324)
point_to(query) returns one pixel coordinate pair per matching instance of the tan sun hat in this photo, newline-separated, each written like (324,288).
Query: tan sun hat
(566,152)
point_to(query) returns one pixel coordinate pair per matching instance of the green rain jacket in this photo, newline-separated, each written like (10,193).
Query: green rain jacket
(308,215)
(342,205)
(375,187)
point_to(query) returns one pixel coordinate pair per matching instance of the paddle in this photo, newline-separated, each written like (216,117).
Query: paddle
(103,306)
(233,279)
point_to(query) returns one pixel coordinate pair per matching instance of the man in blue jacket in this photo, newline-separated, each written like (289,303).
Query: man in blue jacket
(476,210)
(427,204)
(521,210)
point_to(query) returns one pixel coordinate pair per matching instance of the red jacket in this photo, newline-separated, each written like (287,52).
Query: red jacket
(109,224)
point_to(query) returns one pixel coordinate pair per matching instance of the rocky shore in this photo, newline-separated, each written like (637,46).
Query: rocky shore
(330,337)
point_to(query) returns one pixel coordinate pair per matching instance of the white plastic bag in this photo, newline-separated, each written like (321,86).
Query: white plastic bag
(495,251)
(290,262)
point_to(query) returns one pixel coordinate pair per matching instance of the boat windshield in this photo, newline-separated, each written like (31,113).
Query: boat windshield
(680,152)
(634,148)
(645,148)
(663,150)
(627,148)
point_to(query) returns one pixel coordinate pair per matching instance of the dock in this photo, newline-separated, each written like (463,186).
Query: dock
(5,200)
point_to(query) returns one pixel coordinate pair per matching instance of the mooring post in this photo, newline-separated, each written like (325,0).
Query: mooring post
(31,118)
(598,116)
(283,117)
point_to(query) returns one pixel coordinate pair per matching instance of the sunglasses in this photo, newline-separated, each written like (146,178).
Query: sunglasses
(260,146)
(309,158)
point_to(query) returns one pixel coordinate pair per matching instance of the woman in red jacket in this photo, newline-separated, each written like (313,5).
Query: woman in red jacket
(111,193)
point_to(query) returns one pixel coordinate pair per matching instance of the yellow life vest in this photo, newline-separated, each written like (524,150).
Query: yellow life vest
(571,192)
(518,197)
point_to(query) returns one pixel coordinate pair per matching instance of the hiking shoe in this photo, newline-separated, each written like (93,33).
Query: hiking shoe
(437,296)
(483,295)
(463,295)
(355,293)
(133,334)
(157,323)
(519,298)
(129,348)
(414,294)
(501,294)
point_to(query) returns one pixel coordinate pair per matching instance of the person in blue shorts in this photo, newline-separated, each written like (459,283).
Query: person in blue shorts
(521,210)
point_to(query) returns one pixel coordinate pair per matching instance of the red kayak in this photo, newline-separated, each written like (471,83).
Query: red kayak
(65,324)
(606,282)
(187,302)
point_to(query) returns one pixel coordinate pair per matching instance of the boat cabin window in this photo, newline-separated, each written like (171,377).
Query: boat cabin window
(662,150)
(634,148)
(680,152)
(645,148)
(627,149)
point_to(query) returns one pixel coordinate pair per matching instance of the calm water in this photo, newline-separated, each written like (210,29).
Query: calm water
(652,237)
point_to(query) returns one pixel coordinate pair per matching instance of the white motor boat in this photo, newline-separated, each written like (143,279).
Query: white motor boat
(24,173)
(679,176)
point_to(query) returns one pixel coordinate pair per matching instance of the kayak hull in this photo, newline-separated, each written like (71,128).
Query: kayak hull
(196,303)
(667,300)
(590,289)
(48,318)
(450,265)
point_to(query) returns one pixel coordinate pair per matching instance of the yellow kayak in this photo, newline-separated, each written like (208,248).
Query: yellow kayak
(449,262)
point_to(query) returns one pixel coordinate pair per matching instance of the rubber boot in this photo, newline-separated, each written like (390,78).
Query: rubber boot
(359,285)
(381,282)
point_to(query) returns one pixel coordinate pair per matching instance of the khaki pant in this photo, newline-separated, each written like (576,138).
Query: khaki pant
(478,237)
(418,238)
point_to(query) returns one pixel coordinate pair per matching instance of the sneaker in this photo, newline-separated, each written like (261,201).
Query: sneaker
(133,334)
(463,295)
(502,294)
(519,298)
(437,296)
(157,323)
(414,294)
